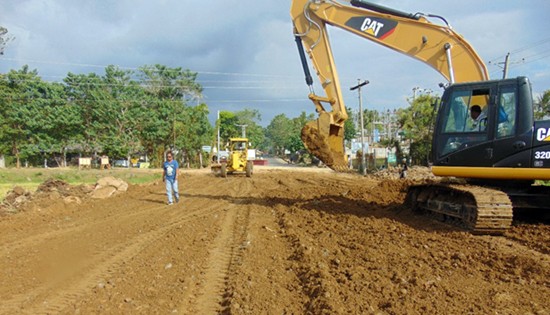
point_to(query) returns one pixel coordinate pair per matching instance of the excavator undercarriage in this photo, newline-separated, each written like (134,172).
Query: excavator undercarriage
(478,209)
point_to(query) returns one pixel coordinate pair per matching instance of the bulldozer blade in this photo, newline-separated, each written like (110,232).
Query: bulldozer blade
(327,146)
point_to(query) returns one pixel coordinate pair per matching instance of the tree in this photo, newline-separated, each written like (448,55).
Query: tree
(284,133)
(4,97)
(86,92)
(20,90)
(228,127)
(38,120)
(278,133)
(169,90)
(417,123)
(122,107)
(57,122)
(294,143)
(4,39)
(173,84)
(542,105)
(112,114)
(196,131)
(232,124)
(350,131)
(251,119)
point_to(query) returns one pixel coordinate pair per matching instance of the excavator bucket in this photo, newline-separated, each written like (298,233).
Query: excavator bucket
(326,141)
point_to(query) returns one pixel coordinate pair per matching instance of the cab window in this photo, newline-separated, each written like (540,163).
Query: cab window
(506,113)
(465,120)
(467,111)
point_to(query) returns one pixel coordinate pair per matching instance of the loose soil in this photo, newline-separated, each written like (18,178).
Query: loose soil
(318,144)
(282,242)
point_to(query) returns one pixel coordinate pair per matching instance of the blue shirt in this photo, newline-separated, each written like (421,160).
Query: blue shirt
(170,169)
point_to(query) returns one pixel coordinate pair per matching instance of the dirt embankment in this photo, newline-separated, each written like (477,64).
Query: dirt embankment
(290,242)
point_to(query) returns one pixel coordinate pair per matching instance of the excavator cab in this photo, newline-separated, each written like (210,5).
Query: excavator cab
(501,158)
(503,139)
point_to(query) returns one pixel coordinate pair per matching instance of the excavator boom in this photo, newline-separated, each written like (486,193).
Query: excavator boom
(411,34)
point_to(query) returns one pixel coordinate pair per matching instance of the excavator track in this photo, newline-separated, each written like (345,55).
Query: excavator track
(481,210)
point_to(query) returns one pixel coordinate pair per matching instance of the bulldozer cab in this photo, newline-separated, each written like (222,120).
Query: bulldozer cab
(238,144)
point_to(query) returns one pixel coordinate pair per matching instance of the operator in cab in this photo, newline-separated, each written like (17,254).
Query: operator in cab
(479,119)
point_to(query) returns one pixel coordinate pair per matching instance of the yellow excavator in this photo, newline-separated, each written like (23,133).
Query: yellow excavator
(500,157)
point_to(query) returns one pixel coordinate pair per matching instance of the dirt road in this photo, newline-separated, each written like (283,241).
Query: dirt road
(281,242)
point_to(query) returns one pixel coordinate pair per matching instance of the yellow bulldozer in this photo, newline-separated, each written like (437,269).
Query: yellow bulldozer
(237,160)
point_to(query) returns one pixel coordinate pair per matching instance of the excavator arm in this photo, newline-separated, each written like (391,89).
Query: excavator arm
(414,35)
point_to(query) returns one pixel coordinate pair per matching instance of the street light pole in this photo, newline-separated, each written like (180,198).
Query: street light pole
(358,88)
(243,130)
(218,148)
(506,64)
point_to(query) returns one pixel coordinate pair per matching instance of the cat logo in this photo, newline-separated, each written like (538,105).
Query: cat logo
(543,134)
(373,26)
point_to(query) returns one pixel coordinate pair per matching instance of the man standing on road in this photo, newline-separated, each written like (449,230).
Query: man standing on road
(170,177)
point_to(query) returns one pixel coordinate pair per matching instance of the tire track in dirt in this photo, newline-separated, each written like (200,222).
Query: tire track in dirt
(54,297)
(71,228)
(93,215)
(311,274)
(213,294)
(16,263)
(512,246)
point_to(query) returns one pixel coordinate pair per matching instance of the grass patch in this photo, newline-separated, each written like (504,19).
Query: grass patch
(31,178)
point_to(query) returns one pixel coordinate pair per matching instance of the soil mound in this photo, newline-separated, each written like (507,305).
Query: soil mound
(415,173)
(108,186)
(55,191)
(14,199)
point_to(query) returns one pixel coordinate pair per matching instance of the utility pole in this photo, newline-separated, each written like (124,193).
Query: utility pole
(358,88)
(506,64)
(218,151)
(243,128)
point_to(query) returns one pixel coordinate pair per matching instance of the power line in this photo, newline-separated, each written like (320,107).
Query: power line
(140,100)
(233,84)
(149,84)
(525,60)
(546,40)
(526,47)
(540,55)
(148,67)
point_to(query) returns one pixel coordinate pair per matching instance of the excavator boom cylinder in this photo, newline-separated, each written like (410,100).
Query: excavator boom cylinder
(309,79)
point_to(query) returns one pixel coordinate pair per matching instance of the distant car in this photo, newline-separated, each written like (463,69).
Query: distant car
(121,163)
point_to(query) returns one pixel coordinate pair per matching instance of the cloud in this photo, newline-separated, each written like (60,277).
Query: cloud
(244,50)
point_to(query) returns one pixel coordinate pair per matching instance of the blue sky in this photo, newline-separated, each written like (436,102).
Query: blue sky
(244,50)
